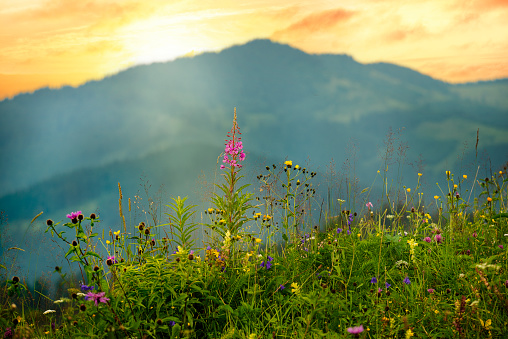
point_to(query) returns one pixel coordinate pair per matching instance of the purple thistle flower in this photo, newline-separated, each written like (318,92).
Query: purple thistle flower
(407,281)
(97,297)
(112,259)
(73,215)
(355,330)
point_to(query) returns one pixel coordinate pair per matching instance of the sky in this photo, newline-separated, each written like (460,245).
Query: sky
(66,42)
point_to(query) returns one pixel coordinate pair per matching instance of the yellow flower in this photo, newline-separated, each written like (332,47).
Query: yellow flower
(447,173)
(117,233)
(359,235)
(500,172)
(258,240)
(297,166)
(419,174)
(464,176)
(455,186)
(412,243)
(486,324)
(211,210)
(409,334)
(295,288)
(108,242)
(288,163)
(436,197)
(408,190)
(489,199)
(378,171)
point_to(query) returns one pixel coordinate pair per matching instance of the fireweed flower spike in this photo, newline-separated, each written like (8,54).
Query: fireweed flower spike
(233,153)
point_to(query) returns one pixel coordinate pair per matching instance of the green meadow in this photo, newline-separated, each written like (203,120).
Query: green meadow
(271,261)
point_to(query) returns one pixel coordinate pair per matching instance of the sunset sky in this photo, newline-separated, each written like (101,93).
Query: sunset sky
(67,42)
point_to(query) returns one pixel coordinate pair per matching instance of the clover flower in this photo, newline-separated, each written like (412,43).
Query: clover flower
(97,297)
(427,239)
(438,238)
(355,330)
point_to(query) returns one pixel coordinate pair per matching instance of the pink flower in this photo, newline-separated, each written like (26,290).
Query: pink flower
(501,246)
(73,215)
(431,290)
(97,297)
(355,330)
(369,205)
(427,239)
(438,238)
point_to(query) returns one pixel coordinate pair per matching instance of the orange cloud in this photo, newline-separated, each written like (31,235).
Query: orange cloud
(315,22)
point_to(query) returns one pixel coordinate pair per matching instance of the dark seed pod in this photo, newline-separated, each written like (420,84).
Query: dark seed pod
(74,243)
(82,308)
(15,280)
(49,222)
(93,216)
(81,217)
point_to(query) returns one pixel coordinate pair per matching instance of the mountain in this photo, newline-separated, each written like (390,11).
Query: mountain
(62,149)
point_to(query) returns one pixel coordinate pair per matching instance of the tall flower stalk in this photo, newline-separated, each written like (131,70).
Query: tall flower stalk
(232,203)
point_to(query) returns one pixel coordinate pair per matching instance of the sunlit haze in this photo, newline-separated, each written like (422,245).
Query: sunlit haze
(59,42)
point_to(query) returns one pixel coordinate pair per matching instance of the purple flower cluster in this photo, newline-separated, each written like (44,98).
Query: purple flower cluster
(268,264)
(407,281)
(233,154)
(85,288)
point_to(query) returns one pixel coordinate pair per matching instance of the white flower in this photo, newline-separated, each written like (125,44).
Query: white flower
(81,294)
(390,216)
(49,311)
(461,275)
(59,301)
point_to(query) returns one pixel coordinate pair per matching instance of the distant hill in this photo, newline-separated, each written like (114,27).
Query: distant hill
(66,148)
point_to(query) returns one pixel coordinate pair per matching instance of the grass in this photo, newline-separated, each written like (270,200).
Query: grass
(270,268)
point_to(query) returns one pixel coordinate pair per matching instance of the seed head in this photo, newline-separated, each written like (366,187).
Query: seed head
(49,222)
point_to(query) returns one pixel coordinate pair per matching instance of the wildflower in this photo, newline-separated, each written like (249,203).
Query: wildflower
(427,239)
(97,297)
(172,323)
(387,285)
(350,220)
(464,176)
(111,260)
(233,151)
(117,233)
(438,238)
(419,174)
(407,281)
(288,163)
(73,215)
(409,333)
(447,174)
(297,167)
(281,287)
(9,333)
(295,288)
(85,288)
(431,290)
(408,190)
(49,311)
(489,199)
(506,283)
(373,280)
(436,197)
(355,330)
(501,246)
(339,230)
(108,242)
(369,205)
(258,240)
(475,234)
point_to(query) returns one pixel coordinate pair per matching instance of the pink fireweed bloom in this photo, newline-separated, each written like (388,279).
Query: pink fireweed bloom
(73,215)
(233,152)
(97,297)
